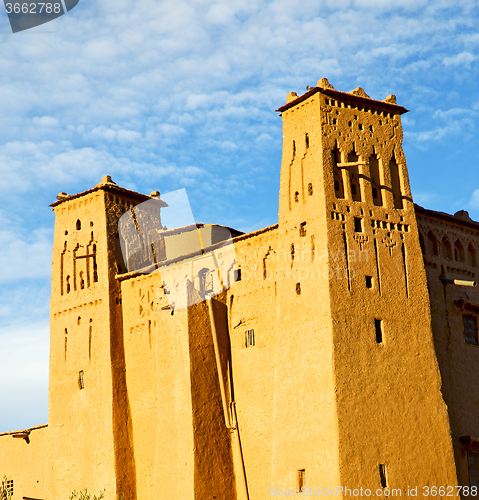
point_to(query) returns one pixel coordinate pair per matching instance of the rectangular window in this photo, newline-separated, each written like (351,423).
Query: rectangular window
(81,380)
(249,338)
(237,275)
(382,475)
(470,329)
(473,464)
(358,225)
(379,330)
(302,229)
(301,478)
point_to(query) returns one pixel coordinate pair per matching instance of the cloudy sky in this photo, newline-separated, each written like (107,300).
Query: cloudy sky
(172,94)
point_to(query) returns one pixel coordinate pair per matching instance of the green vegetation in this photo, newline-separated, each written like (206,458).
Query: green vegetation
(84,495)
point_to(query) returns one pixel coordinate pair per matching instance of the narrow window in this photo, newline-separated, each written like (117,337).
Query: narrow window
(301,479)
(383,476)
(459,254)
(337,173)
(306,140)
(473,464)
(298,288)
(354,176)
(81,380)
(379,331)
(395,183)
(78,225)
(296,196)
(446,248)
(358,226)
(292,251)
(470,329)
(310,189)
(237,275)
(471,255)
(249,338)
(302,229)
(369,281)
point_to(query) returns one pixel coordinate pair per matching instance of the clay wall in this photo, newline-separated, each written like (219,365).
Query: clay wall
(450,250)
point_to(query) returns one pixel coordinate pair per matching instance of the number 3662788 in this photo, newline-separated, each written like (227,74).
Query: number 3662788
(33,8)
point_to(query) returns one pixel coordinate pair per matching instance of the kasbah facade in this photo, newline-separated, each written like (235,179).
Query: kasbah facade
(342,352)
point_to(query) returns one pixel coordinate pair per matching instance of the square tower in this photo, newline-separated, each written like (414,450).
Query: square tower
(354,297)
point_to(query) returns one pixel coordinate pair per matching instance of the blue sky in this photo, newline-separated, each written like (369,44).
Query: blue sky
(163,95)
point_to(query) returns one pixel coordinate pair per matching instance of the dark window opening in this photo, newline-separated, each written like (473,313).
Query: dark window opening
(379,331)
(296,196)
(301,478)
(470,329)
(78,225)
(382,475)
(298,288)
(358,226)
(369,281)
(81,380)
(310,189)
(249,338)
(237,275)
(302,229)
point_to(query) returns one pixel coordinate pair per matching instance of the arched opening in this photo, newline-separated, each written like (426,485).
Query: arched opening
(78,225)
(421,242)
(446,248)
(459,252)
(471,255)
(432,244)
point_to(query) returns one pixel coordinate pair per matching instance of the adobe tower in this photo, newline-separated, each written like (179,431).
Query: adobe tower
(365,386)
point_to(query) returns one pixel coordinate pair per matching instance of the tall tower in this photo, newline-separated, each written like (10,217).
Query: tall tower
(89,414)
(362,378)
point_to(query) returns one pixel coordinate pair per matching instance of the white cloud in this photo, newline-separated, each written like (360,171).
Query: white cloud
(474,202)
(462,59)
(45,121)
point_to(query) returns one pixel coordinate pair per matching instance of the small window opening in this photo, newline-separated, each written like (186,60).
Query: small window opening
(249,338)
(383,476)
(360,126)
(379,331)
(298,288)
(370,128)
(302,229)
(91,224)
(301,479)
(68,284)
(470,329)
(66,233)
(237,275)
(292,251)
(78,225)
(310,189)
(335,121)
(79,320)
(369,281)
(81,380)
(358,226)
(296,196)
(306,140)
